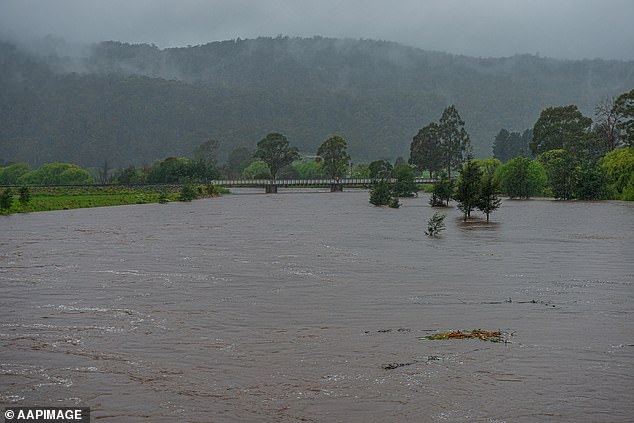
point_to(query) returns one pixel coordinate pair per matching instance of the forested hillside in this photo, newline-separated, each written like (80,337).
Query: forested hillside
(132,104)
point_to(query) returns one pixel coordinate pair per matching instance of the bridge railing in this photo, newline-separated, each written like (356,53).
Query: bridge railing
(305,182)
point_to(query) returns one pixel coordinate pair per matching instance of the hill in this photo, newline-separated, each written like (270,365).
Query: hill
(132,104)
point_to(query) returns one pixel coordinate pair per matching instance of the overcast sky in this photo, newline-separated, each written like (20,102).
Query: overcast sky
(571,29)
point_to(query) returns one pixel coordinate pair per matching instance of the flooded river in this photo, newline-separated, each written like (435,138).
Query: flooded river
(310,306)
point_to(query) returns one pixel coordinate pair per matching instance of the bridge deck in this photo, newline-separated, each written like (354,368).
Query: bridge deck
(349,182)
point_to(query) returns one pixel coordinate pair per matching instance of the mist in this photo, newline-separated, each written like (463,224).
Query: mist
(564,29)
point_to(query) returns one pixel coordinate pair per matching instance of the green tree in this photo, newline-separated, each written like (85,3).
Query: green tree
(590,181)
(435,224)
(24,195)
(522,178)
(129,176)
(381,193)
(560,128)
(188,193)
(380,169)
(560,168)
(10,175)
(361,171)
(624,108)
(454,140)
(334,157)
(488,200)
(275,151)
(257,170)
(443,191)
(207,152)
(508,145)
(468,188)
(404,185)
(239,159)
(57,174)
(6,199)
(618,167)
(309,170)
(425,150)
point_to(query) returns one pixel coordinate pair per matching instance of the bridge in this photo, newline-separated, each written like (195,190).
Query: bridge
(335,185)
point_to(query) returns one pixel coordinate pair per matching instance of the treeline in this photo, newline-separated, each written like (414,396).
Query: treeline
(135,104)
(565,155)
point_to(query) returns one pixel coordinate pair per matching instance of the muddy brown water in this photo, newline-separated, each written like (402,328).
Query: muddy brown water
(309,306)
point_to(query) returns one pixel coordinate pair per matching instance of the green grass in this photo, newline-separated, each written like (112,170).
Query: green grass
(76,197)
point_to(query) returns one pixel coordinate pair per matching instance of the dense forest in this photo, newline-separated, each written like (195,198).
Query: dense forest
(134,104)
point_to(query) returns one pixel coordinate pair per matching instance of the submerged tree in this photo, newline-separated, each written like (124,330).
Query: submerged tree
(488,200)
(404,185)
(381,193)
(468,189)
(435,224)
(275,151)
(443,190)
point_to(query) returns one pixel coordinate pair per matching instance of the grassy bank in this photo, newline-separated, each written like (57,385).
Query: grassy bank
(43,198)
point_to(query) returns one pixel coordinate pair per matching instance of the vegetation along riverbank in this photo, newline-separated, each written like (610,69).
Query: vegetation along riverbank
(47,198)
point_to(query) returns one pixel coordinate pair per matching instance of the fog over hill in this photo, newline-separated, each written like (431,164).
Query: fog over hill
(132,104)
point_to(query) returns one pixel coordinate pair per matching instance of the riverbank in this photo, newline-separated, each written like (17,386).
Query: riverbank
(49,198)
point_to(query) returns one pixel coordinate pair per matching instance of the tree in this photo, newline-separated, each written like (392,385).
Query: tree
(590,181)
(521,178)
(425,150)
(443,191)
(488,200)
(334,157)
(6,199)
(275,151)
(207,152)
(239,159)
(624,108)
(560,168)
(381,193)
(618,167)
(468,188)
(188,193)
(57,174)
(309,170)
(435,224)
(11,174)
(404,185)
(455,143)
(24,195)
(380,169)
(559,128)
(606,128)
(508,145)
(257,170)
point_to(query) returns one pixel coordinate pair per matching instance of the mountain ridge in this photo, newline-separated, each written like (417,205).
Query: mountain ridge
(138,103)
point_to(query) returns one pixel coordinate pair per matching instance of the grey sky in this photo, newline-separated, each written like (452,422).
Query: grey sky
(573,29)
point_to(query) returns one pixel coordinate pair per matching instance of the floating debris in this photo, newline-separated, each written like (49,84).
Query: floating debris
(476,333)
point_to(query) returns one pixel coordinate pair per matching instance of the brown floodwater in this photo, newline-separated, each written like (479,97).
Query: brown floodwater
(309,307)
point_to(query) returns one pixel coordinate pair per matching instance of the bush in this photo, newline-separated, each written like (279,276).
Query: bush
(435,224)
(6,199)
(381,193)
(25,196)
(188,193)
